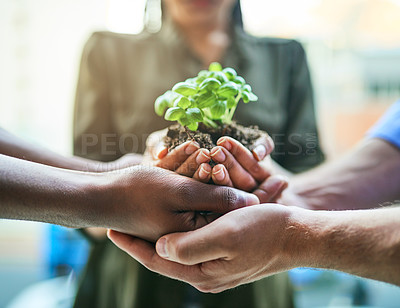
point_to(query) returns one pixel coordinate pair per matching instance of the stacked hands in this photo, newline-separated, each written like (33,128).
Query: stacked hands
(218,252)
(235,165)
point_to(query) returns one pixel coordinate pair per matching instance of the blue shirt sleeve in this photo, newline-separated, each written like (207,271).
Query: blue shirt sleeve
(388,127)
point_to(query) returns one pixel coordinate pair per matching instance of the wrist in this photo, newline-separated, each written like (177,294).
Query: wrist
(303,242)
(100,191)
(115,194)
(290,197)
(322,239)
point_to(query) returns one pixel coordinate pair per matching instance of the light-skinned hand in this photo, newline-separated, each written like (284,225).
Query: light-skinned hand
(239,247)
(236,165)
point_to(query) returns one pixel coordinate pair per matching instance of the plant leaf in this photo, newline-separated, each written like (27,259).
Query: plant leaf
(220,76)
(171,96)
(194,114)
(239,80)
(210,84)
(245,97)
(184,121)
(160,105)
(182,101)
(191,81)
(231,102)
(215,67)
(206,100)
(174,113)
(253,97)
(228,89)
(246,88)
(185,88)
(202,75)
(193,126)
(230,73)
(217,110)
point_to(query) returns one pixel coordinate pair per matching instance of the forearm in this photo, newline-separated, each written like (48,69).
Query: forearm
(364,178)
(30,191)
(13,146)
(363,242)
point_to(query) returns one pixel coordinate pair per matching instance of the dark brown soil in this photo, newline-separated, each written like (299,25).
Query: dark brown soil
(207,137)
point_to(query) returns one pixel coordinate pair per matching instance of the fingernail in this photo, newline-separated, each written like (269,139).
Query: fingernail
(225,143)
(203,173)
(192,147)
(260,151)
(161,152)
(161,248)
(219,155)
(252,200)
(275,183)
(202,157)
(219,175)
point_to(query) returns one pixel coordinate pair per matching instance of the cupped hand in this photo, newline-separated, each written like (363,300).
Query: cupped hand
(236,165)
(245,170)
(186,159)
(149,202)
(239,247)
(244,167)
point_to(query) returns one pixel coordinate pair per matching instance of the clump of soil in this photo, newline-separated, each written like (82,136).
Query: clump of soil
(207,137)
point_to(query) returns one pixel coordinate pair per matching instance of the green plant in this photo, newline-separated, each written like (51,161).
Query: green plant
(210,98)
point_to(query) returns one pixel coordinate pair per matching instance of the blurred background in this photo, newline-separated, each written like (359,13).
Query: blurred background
(353,49)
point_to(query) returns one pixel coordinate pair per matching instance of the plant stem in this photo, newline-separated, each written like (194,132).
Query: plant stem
(188,133)
(209,122)
(233,109)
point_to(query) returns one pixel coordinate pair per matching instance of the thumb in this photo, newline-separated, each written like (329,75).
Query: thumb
(192,247)
(219,199)
(271,188)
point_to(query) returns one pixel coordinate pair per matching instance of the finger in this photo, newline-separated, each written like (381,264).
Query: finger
(160,152)
(177,156)
(193,247)
(190,195)
(220,176)
(263,146)
(155,143)
(190,165)
(203,173)
(271,188)
(240,178)
(244,157)
(145,254)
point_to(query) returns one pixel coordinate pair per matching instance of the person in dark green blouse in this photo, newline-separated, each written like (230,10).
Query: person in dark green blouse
(120,78)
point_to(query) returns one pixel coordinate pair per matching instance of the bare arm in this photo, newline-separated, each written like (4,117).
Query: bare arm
(366,177)
(251,243)
(146,202)
(11,145)
(365,243)
(31,191)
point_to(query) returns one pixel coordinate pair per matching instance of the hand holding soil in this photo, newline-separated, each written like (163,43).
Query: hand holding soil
(229,163)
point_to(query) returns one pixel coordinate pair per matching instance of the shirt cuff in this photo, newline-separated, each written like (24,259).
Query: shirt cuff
(388,127)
